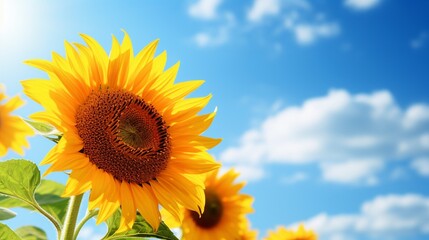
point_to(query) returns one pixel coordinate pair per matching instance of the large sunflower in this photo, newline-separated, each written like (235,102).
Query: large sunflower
(129,134)
(13,130)
(284,234)
(224,216)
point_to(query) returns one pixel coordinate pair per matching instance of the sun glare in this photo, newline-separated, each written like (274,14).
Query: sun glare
(18,23)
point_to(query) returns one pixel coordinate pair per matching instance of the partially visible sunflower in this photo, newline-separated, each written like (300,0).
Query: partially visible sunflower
(129,134)
(248,233)
(13,130)
(224,216)
(284,234)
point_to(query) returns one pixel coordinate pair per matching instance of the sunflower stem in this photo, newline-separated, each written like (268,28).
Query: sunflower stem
(47,215)
(88,216)
(71,217)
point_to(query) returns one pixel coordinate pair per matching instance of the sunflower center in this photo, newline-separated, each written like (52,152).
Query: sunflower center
(123,135)
(212,211)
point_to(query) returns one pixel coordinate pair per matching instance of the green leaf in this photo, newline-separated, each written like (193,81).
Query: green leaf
(6,214)
(19,178)
(57,210)
(113,223)
(31,233)
(49,192)
(11,202)
(7,233)
(141,229)
(48,196)
(45,129)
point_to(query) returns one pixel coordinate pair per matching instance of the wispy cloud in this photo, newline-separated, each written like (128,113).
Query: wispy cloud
(398,173)
(295,178)
(249,172)
(351,137)
(391,217)
(419,41)
(204,9)
(306,30)
(263,8)
(361,171)
(208,10)
(306,34)
(207,39)
(88,233)
(218,36)
(361,5)
(421,165)
(295,17)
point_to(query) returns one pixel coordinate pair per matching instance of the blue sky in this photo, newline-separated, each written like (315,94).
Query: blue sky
(322,105)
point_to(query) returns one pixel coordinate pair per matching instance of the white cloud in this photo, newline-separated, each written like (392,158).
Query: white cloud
(250,172)
(361,4)
(305,32)
(263,8)
(298,19)
(385,217)
(308,33)
(205,39)
(204,9)
(353,171)
(419,113)
(334,131)
(88,233)
(421,165)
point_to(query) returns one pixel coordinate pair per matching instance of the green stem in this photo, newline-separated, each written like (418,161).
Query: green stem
(47,215)
(88,216)
(71,217)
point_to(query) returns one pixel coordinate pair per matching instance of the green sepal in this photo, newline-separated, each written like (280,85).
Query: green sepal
(45,129)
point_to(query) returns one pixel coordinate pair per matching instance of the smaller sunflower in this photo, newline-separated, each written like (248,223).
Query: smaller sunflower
(248,233)
(224,215)
(284,234)
(13,130)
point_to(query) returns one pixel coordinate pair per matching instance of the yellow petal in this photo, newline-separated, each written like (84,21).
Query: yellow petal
(147,204)
(184,191)
(128,209)
(111,200)
(78,182)
(166,201)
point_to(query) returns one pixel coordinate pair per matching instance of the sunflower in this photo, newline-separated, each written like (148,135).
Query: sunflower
(129,134)
(247,233)
(224,214)
(284,234)
(13,129)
